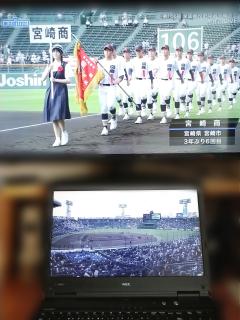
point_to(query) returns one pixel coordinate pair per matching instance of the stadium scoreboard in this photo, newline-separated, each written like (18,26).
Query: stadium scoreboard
(203,131)
(188,38)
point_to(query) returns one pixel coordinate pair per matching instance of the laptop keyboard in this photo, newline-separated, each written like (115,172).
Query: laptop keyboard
(165,315)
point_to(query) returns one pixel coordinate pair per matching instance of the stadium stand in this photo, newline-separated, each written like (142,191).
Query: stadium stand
(213,34)
(4,34)
(94,37)
(148,33)
(179,257)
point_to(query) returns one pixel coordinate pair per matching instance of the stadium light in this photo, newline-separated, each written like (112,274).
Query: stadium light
(59,15)
(122,206)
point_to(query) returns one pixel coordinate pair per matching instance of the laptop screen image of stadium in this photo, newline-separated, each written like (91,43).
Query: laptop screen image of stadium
(126,233)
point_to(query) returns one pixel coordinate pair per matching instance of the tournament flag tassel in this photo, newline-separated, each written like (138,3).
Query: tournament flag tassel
(87,76)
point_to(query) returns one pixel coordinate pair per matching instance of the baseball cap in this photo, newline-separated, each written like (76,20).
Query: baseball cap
(165,47)
(201,53)
(190,51)
(179,49)
(126,50)
(210,56)
(58,47)
(114,46)
(108,47)
(231,60)
(152,48)
(139,47)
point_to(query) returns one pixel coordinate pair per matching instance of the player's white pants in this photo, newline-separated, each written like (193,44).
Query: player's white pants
(201,90)
(151,92)
(107,97)
(180,89)
(121,94)
(210,89)
(165,89)
(139,88)
(191,87)
(222,87)
(232,88)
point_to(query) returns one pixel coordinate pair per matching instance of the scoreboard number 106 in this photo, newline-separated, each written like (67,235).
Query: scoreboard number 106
(189,38)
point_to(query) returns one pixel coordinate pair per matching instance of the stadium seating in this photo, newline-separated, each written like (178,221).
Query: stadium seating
(148,33)
(96,37)
(4,34)
(213,34)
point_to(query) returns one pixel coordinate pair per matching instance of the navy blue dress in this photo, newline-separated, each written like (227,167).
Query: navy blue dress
(58,107)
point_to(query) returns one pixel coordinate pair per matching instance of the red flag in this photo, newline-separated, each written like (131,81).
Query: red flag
(87,76)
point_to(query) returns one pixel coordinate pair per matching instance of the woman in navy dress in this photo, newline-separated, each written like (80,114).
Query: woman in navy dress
(56,109)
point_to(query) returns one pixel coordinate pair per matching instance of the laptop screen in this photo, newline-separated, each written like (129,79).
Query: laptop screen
(126,233)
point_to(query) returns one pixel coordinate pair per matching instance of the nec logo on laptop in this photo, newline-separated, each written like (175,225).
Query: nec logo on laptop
(126,284)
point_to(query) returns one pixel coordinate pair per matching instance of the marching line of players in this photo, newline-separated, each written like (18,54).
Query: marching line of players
(144,78)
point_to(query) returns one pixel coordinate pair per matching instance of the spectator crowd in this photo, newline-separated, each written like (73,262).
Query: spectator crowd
(20,57)
(172,258)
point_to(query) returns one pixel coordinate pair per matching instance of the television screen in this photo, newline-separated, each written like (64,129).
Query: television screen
(122,80)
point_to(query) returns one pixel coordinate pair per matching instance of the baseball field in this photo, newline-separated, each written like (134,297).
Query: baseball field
(22,128)
(102,238)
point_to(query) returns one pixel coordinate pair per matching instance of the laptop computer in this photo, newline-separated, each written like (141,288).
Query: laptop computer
(127,253)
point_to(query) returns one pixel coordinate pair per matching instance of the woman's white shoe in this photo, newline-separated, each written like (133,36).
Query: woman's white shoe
(64,139)
(57,142)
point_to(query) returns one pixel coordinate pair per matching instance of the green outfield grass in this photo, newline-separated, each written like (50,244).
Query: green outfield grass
(165,235)
(32,100)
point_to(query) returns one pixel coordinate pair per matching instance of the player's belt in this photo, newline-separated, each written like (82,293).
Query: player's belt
(165,79)
(106,84)
(190,80)
(140,78)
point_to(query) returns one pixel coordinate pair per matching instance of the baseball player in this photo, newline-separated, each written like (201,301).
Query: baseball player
(202,79)
(126,84)
(224,75)
(167,66)
(212,90)
(139,82)
(152,84)
(108,86)
(233,82)
(236,78)
(192,84)
(180,83)
(121,63)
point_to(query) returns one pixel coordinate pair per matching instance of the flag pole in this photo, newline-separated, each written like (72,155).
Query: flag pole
(118,84)
(51,60)
(110,75)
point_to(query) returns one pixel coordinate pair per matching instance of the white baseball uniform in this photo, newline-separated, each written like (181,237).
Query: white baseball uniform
(126,84)
(153,66)
(233,86)
(202,81)
(121,62)
(215,71)
(107,90)
(225,73)
(165,75)
(141,70)
(192,84)
(180,89)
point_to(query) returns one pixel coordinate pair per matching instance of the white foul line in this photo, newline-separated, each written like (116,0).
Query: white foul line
(40,124)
